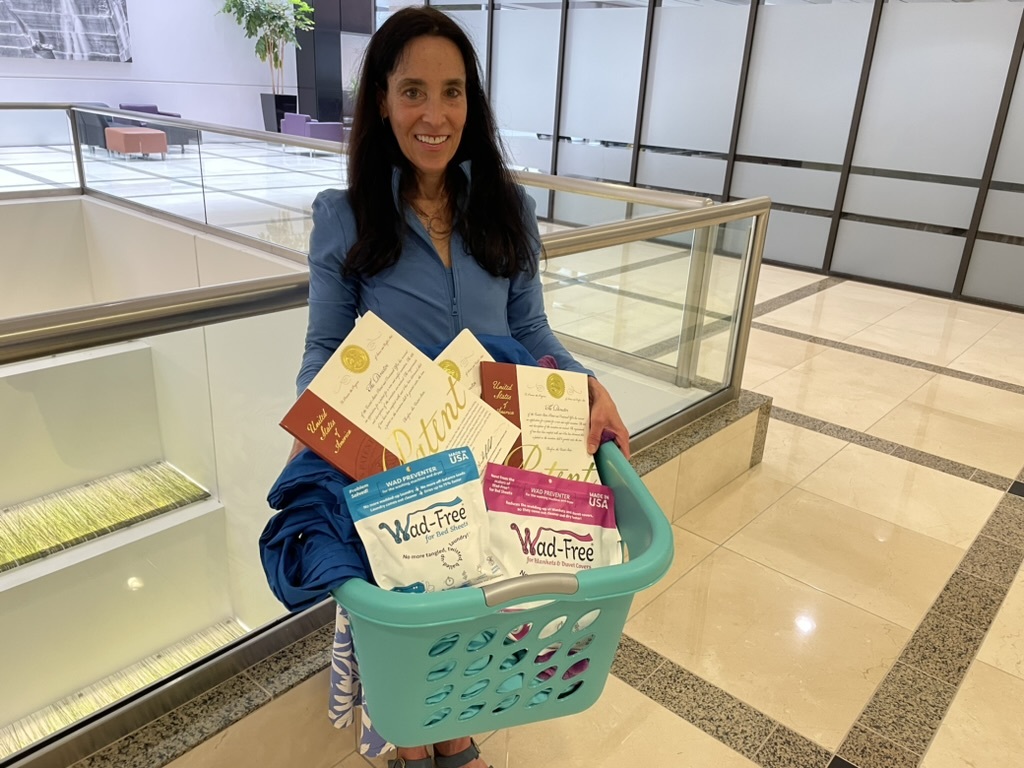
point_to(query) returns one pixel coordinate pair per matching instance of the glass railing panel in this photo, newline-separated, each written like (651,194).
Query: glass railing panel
(36,151)
(142,511)
(661,315)
(144,161)
(266,189)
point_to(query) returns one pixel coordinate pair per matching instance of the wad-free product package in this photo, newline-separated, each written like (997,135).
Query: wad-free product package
(541,523)
(424,524)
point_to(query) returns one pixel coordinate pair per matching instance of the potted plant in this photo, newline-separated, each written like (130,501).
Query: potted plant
(273,24)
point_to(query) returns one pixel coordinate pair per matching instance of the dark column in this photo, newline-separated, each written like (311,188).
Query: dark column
(318,63)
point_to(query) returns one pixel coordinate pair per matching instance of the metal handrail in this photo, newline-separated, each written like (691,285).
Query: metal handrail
(49,333)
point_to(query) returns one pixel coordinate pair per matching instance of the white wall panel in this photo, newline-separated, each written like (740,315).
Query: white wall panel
(1004,213)
(996,273)
(936,81)
(909,200)
(796,238)
(186,58)
(75,418)
(132,255)
(704,175)
(44,261)
(593,161)
(804,70)
(603,52)
(793,186)
(523,85)
(690,105)
(898,255)
(224,262)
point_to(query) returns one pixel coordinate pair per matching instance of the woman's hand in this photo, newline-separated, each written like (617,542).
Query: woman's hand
(605,416)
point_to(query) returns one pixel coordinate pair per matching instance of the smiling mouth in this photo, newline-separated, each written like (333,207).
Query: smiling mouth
(432,140)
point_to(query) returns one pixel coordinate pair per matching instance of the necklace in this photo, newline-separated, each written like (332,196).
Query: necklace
(435,222)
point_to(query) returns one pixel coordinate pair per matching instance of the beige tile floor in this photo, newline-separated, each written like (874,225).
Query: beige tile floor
(798,586)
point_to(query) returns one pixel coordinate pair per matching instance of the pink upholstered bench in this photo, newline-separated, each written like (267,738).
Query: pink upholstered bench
(129,140)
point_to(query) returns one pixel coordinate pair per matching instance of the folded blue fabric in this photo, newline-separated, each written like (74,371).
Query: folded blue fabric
(311,545)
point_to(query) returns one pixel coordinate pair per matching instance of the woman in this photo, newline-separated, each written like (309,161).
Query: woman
(432,235)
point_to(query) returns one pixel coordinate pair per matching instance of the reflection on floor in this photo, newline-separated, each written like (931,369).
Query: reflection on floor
(855,600)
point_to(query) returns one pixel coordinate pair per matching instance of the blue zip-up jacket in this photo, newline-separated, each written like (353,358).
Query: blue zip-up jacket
(418,296)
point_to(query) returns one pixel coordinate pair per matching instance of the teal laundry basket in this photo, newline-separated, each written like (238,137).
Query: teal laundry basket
(446,665)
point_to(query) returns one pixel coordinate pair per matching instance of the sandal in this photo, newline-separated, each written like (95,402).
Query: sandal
(401,762)
(459,759)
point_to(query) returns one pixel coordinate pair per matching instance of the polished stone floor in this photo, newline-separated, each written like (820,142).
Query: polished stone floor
(854,600)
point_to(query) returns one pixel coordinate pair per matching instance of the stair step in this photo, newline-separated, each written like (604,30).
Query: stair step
(55,522)
(71,709)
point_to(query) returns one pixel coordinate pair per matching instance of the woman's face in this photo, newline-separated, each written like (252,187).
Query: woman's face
(426,103)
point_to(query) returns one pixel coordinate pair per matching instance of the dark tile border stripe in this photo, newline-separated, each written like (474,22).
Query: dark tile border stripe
(770,305)
(906,361)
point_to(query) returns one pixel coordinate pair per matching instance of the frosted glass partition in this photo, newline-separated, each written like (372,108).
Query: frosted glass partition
(996,273)
(898,255)
(927,202)
(1010,161)
(603,56)
(687,173)
(36,151)
(523,86)
(800,50)
(797,238)
(937,76)
(805,187)
(594,160)
(1002,214)
(528,151)
(690,105)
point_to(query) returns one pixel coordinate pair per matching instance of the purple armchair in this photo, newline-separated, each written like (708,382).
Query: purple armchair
(303,125)
(175,135)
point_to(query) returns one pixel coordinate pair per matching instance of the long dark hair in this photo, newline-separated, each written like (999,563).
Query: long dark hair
(491,220)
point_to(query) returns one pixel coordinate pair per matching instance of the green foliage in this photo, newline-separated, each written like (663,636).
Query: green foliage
(273,23)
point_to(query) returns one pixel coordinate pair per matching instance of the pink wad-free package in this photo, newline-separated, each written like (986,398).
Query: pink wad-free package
(541,523)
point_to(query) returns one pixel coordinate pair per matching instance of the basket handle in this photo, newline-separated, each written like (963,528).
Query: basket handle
(530,586)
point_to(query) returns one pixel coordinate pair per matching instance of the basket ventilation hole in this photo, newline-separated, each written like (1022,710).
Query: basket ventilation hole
(480,641)
(513,683)
(444,645)
(553,626)
(441,671)
(547,653)
(581,645)
(506,703)
(539,698)
(472,712)
(437,717)
(478,666)
(517,634)
(586,620)
(570,690)
(439,696)
(475,689)
(544,674)
(512,660)
(578,668)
